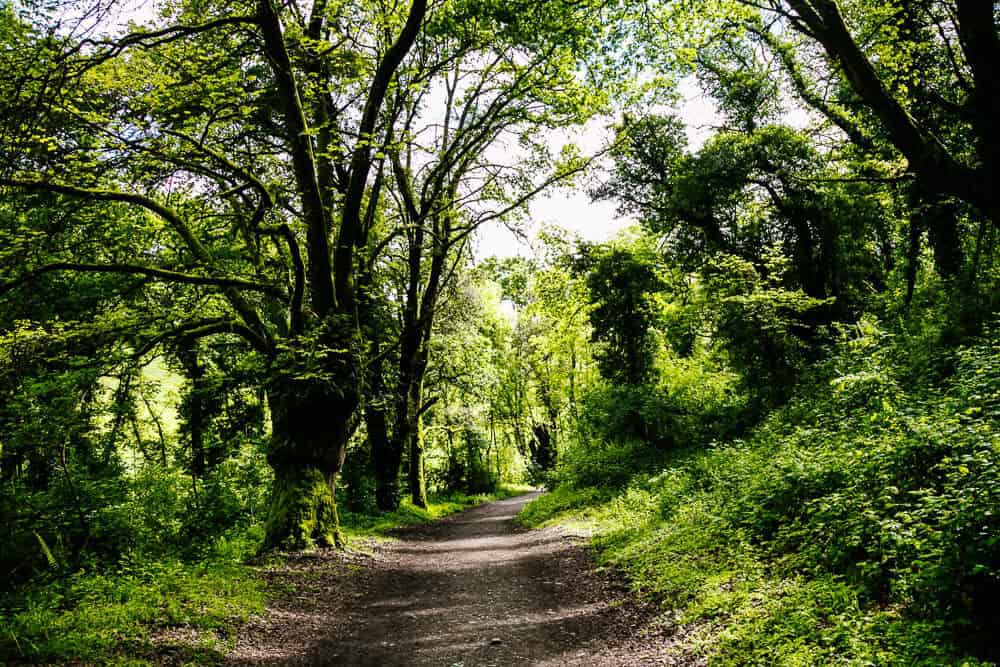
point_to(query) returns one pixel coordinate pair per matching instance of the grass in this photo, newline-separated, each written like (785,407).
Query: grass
(743,607)
(141,612)
(855,525)
(131,616)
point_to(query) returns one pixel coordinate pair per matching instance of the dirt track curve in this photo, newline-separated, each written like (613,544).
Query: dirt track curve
(471,590)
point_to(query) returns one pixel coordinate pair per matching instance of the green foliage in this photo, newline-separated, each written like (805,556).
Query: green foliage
(855,524)
(690,402)
(767,331)
(621,282)
(356,483)
(777,402)
(114,617)
(469,471)
(154,513)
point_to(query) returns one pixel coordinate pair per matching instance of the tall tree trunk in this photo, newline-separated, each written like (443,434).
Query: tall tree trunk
(404,424)
(386,459)
(417,478)
(193,408)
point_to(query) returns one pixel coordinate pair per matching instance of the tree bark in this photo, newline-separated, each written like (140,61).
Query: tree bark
(386,459)
(193,408)
(417,478)
(404,419)
(311,423)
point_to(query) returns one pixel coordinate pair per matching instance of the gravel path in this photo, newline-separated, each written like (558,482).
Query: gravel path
(470,590)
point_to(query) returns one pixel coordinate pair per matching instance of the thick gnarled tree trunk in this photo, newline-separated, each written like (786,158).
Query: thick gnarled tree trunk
(311,423)
(313,418)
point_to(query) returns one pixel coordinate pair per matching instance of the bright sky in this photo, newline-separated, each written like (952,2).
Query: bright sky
(599,221)
(572,209)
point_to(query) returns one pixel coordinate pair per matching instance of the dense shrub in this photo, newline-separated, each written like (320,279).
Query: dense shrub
(468,470)
(857,523)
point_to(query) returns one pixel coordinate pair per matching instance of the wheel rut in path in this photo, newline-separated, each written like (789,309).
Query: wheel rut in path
(470,590)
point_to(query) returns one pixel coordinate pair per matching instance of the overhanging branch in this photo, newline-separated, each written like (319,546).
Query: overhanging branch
(136,269)
(201,329)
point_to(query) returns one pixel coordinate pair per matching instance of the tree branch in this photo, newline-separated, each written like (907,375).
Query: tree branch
(303,161)
(197,248)
(135,269)
(299,274)
(201,329)
(361,159)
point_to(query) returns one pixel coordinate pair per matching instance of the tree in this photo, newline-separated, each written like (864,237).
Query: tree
(744,193)
(224,138)
(465,91)
(275,162)
(969,35)
(917,86)
(621,282)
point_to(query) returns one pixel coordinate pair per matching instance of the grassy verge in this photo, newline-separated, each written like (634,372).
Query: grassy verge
(144,612)
(745,606)
(855,526)
(133,615)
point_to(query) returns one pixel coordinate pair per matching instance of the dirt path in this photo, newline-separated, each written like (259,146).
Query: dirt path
(470,590)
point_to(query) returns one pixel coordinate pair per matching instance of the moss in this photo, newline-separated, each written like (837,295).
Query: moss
(418,480)
(302,513)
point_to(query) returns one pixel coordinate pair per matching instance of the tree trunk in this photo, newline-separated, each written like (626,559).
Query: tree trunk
(311,423)
(302,513)
(418,482)
(193,406)
(543,448)
(387,466)
(386,459)
(406,399)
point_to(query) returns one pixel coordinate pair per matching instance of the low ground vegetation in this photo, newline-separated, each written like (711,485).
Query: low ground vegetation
(855,524)
(148,608)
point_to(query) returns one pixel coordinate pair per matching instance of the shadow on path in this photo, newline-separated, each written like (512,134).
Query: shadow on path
(470,590)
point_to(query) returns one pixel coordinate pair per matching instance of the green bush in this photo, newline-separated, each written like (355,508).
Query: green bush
(857,524)
(467,470)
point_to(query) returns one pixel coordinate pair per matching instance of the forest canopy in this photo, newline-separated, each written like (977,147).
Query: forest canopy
(243,298)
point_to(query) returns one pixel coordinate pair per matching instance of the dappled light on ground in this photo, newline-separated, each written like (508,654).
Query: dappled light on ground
(472,590)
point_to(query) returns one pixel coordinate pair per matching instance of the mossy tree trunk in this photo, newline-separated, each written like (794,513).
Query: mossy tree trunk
(311,424)
(417,479)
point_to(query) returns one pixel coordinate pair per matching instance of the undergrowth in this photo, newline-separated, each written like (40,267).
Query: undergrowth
(145,610)
(855,525)
(133,614)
